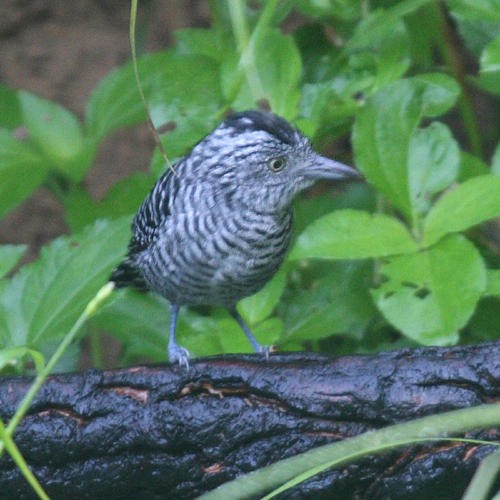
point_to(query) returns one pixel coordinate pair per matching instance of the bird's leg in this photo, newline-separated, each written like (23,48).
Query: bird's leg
(176,353)
(250,336)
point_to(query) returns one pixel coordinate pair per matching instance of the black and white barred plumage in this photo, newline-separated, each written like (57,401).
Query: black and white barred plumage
(217,229)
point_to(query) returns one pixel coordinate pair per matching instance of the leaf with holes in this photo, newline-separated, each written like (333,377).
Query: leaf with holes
(431,294)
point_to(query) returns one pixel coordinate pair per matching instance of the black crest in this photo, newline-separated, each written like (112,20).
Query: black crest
(251,121)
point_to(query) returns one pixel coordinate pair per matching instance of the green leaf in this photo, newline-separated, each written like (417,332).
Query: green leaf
(21,171)
(484,323)
(430,295)
(271,71)
(471,166)
(177,88)
(489,75)
(353,234)
(433,163)
(380,45)
(377,23)
(139,320)
(55,131)
(385,126)
(259,306)
(10,111)
(493,283)
(337,303)
(125,197)
(43,300)
(115,102)
(200,41)
(471,203)
(187,106)
(9,256)
(231,338)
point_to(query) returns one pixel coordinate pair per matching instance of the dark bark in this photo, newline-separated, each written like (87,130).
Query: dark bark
(162,432)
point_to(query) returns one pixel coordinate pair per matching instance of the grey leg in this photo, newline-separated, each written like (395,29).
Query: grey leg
(246,330)
(176,353)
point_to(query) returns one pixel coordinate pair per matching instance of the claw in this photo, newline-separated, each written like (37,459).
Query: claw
(178,354)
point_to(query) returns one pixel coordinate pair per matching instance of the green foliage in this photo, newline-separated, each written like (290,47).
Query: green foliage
(42,301)
(378,264)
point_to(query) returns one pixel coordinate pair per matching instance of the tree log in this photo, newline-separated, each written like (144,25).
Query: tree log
(164,432)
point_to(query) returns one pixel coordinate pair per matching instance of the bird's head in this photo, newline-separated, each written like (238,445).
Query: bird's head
(264,161)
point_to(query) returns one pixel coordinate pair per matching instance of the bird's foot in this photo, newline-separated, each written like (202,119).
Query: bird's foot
(178,354)
(267,350)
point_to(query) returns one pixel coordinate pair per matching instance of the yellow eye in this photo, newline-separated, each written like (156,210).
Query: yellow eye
(277,164)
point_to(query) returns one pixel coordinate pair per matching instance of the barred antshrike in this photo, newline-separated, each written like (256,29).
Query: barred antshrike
(217,229)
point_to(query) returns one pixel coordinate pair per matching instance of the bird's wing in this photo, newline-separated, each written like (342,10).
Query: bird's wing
(153,212)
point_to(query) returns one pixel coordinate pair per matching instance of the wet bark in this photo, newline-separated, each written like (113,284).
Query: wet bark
(164,432)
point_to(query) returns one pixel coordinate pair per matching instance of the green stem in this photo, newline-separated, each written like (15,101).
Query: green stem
(314,461)
(156,135)
(452,59)
(16,455)
(92,306)
(247,43)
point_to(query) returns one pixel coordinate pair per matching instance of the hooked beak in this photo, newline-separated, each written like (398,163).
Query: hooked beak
(324,168)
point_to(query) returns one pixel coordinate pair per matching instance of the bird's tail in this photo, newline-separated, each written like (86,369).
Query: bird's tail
(127,275)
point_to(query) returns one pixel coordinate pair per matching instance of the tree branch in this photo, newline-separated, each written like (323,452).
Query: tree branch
(162,431)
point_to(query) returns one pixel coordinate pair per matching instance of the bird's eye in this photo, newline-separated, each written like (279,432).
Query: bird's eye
(277,164)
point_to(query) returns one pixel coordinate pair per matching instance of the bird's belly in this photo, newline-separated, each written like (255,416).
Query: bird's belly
(220,268)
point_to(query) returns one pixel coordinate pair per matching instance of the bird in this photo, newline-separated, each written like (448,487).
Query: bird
(215,228)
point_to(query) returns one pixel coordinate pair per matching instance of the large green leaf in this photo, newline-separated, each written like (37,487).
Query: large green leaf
(472,202)
(200,41)
(353,234)
(9,255)
(431,294)
(124,197)
(384,131)
(21,171)
(174,85)
(56,132)
(139,320)
(337,303)
(260,305)
(44,298)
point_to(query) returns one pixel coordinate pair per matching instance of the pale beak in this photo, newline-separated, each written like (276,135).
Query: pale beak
(324,168)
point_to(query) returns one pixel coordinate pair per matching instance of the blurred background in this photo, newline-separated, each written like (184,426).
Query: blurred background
(60,50)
